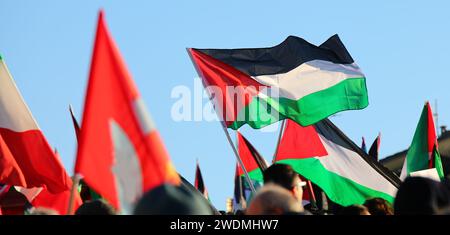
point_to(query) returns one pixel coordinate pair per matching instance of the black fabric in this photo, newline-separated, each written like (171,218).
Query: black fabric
(239,189)
(289,54)
(199,184)
(373,151)
(188,186)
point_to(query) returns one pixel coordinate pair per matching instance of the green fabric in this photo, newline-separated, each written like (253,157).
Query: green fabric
(349,94)
(417,156)
(255,175)
(339,189)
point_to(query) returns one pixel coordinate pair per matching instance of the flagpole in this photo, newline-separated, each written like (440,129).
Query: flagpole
(252,187)
(75,182)
(311,194)
(279,140)
(226,132)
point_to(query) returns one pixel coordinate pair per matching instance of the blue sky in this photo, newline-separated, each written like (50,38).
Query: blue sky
(401,46)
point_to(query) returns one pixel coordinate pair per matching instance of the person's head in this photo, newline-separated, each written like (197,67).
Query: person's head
(95,207)
(379,206)
(420,196)
(272,199)
(42,211)
(284,176)
(172,200)
(354,210)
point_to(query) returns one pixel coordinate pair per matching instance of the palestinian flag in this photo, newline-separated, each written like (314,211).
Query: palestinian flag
(423,153)
(120,152)
(363,145)
(239,199)
(295,80)
(325,156)
(373,151)
(26,143)
(199,183)
(253,162)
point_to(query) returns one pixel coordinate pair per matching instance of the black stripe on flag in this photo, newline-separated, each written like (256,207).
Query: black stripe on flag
(328,130)
(282,58)
(199,184)
(256,156)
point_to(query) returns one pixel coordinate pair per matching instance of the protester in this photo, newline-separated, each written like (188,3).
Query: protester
(95,207)
(272,199)
(379,206)
(421,196)
(171,200)
(354,210)
(284,176)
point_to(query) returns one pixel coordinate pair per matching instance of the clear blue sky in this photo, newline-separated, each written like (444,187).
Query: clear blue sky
(401,46)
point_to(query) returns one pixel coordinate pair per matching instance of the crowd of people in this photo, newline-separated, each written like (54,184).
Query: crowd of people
(281,194)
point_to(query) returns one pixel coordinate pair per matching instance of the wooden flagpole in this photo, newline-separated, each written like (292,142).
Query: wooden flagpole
(75,182)
(312,196)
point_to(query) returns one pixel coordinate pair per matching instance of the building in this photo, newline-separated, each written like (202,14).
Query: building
(395,161)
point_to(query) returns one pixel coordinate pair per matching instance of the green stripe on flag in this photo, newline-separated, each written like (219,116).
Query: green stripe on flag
(349,94)
(417,156)
(256,175)
(339,189)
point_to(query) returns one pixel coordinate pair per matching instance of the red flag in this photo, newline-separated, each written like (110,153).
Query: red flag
(120,153)
(58,202)
(10,173)
(26,142)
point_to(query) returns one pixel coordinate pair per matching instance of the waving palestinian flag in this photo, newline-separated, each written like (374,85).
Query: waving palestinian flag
(325,156)
(423,153)
(253,162)
(295,80)
(199,183)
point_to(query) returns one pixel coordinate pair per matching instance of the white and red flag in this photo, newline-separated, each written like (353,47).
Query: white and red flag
(120,152)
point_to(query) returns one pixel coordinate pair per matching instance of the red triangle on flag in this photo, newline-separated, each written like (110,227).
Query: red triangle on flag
(300,142)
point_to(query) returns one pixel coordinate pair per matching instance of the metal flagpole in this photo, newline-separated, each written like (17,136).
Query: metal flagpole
(279,139)
(226,132)
(252,187)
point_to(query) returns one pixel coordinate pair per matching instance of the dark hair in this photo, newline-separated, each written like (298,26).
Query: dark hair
(172,200)
(353,210)
(95,207)
(420,196)
(379,206)
(280,174)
